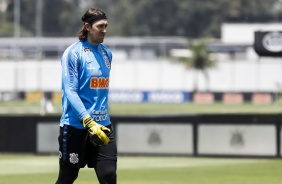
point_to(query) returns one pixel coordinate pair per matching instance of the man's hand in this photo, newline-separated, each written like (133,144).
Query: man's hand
(97,132)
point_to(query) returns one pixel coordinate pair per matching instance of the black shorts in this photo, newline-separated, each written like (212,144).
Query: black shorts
(76,150)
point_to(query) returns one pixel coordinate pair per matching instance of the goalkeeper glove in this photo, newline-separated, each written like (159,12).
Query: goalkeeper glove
(96,131)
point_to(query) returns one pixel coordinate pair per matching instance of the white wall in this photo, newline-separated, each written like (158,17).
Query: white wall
(244,33)
(30,75)
(241,76)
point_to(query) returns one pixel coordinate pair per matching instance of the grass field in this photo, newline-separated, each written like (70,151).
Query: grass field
(35,169)
(24,107)
(31,169)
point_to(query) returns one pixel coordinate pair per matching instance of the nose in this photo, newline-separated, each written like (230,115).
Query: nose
(104,29)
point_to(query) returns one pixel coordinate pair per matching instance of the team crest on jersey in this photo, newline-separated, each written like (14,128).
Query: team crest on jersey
(74,158)
(107,62)
(87,50)
(103,51)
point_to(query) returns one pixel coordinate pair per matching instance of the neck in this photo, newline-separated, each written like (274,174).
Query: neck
(93,43)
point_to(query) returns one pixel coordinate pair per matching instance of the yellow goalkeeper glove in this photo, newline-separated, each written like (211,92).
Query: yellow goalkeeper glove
(97,132)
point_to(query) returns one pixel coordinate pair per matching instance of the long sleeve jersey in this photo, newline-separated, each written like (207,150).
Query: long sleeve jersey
(85,83)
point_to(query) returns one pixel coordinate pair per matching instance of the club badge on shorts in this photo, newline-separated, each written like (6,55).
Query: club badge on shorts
(74,158)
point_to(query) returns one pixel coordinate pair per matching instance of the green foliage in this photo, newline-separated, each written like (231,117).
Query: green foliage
(62,19)
(188,18)
(191,18)
(251,11)
(59,18)
(27,18)
(6,29)
(201,59)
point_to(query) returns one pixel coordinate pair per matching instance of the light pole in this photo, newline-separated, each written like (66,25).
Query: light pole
(17,12)
(3,8)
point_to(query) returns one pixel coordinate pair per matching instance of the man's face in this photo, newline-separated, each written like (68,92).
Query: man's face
(97,31)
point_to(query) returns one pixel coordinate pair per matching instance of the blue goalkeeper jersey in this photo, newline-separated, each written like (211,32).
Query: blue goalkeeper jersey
(85,83)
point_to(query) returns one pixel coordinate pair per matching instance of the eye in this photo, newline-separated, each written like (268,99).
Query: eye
(101,26)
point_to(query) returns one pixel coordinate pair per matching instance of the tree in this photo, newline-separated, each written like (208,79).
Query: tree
(200,60)
(61,18)
(188,18)
(27,19)
(251,11)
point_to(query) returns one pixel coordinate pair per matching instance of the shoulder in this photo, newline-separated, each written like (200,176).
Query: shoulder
(107,50)
(74,50)
(75,47)
(72,54)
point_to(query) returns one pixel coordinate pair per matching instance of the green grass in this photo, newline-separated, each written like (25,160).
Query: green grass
(23,107)
(31,169)
(190,108)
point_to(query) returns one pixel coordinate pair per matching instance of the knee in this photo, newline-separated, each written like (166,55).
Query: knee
(108,176)
(67,175)
(66,179)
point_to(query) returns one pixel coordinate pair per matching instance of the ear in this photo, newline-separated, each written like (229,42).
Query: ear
(86,26)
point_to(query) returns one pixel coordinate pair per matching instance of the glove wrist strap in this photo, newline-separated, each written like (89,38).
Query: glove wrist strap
(87,121)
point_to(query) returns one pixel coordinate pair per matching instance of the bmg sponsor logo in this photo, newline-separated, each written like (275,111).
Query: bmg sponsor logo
(99,83)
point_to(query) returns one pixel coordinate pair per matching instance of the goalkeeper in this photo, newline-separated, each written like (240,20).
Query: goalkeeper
(86,135)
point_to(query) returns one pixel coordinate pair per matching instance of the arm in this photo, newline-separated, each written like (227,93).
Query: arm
(70,69)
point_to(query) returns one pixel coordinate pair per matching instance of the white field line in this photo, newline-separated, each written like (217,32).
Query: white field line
(49,164)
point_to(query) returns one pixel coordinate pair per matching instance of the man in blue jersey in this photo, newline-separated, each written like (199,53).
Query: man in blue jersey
(86,135)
